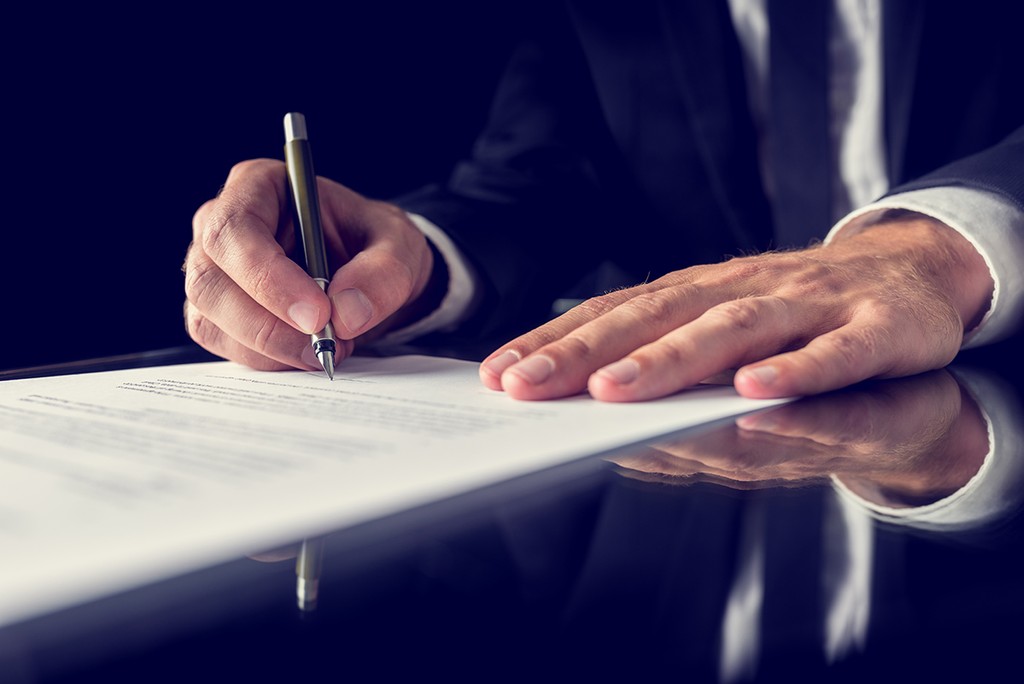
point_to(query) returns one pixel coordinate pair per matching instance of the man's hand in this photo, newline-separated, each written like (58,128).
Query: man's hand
(249,302)
(891,300)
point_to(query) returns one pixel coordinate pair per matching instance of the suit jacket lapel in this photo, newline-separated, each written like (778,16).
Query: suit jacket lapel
(708,68)
(902,24)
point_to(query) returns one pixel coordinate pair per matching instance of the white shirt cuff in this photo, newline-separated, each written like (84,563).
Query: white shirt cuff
(995,490)
(990,222)
(457,303)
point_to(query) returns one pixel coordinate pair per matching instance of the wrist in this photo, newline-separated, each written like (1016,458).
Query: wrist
(938,254)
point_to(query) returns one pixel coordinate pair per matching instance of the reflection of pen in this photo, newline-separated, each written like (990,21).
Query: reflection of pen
(306,202)
(307,572)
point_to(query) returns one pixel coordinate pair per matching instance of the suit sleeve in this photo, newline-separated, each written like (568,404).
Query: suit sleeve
(998,169)
(524,208)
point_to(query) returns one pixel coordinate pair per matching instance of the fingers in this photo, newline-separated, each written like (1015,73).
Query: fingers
(279,348)
(542,365)
(647,346)
(238,232)
(207,335)
(246,300)
(219,314)
(879,342)
(250,302)
(390,270)
(725,336)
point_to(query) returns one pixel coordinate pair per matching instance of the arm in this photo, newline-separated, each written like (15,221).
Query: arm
(881,303)
(892,298)
(517,217)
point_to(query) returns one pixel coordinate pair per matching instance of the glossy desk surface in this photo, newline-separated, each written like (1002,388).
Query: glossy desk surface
(869,534)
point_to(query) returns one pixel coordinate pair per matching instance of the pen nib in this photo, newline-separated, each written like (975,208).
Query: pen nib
(327,361)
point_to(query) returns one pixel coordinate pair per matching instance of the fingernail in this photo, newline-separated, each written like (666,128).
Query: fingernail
(535,369)
(621,372)
(762,375)
(305,316)
(353,309)
(499,363)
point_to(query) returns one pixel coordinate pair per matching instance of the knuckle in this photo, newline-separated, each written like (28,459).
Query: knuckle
(598,306)
(738,314)
(855,348)
(795,273)
(534,340)
(265,334)
(218,223)
(201,281)
(748,268)
(812,276)
(671,353)
(225,221)
(759,272)
(888,312)
(652,307)
(201,330)
(258,280)
(575,347)
(201,216)
(244,167)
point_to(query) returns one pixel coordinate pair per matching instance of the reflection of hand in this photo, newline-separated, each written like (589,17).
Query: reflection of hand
(894,442)
(289,552)
(248,302)
(891,300)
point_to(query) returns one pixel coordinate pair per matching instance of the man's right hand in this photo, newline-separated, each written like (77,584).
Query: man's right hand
(247,301)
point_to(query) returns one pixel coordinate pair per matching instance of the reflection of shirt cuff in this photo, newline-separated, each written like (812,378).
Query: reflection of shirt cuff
(998,486)
(457,303)
(990,222)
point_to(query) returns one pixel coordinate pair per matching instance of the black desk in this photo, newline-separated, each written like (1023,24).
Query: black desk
(727,554)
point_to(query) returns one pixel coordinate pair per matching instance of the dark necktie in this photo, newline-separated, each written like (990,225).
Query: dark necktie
(798,33)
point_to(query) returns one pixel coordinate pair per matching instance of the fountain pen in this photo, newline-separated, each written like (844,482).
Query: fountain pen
(306,205)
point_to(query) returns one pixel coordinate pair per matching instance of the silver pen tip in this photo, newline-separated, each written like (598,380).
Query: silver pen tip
(327,361)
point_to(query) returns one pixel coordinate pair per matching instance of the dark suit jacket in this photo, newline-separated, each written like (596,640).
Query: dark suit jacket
(623,134)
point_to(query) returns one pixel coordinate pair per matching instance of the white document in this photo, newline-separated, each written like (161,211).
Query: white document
(115,479)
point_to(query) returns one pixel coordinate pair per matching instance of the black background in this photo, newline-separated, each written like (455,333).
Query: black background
(119,124)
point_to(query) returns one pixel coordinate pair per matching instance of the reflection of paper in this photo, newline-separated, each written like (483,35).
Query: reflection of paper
(108,480)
